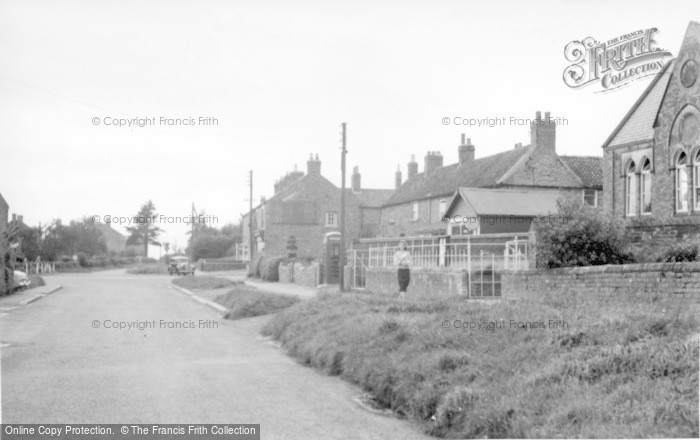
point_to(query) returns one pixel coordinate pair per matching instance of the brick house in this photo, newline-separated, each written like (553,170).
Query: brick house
(116,242)
(308,207)
(419,205)
(652,158)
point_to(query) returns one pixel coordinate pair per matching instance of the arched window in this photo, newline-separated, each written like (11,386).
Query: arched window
(631,190)
(696,181)
(682,183)
(646,187)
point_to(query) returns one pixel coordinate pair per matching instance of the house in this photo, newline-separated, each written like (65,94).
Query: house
(116,242)
(498,210)
(652,158)
(306,206)
(419,205)
(370,202)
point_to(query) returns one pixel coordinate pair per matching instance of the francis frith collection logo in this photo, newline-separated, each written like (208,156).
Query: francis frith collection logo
(614,63)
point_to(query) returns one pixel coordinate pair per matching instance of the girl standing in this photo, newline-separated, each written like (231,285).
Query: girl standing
(402,259)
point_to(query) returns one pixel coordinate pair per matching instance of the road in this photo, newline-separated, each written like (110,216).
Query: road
(58,368)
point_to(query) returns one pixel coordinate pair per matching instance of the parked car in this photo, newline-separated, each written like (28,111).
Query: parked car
(180,266)
(20,280)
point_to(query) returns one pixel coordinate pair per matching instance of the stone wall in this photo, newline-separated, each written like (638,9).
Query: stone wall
(299,273)
(665,282)
(650,241)
(425,282)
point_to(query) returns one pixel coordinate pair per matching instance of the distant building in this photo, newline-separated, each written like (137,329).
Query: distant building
(652,158)
(116,242)
(419,205)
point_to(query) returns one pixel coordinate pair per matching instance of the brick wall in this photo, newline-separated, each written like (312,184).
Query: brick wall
(298,273)
(402,215)
(425,282)
(669,282)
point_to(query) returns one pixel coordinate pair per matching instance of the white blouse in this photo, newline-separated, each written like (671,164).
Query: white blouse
(402,259)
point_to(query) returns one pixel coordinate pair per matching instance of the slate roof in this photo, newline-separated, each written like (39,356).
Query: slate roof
(494,201)
(482,172)
(372,198)
(638,123)
(588,168)
(296,191)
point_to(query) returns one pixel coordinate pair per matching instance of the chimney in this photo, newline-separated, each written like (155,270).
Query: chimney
(466,151)
(543,134)
(412,168)
(397,177)
(313,166)
(433,161)
(356,180)
(14,217)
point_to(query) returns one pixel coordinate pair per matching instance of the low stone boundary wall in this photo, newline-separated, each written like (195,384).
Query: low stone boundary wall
(425,282)
(635,282)
(298,273)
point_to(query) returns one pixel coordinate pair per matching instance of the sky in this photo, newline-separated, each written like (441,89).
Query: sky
(278,78)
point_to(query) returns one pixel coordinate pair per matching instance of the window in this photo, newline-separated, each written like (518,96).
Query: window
(331,219)
(415,212)
(443,208)
(631,189)
(590,197)
(682,183)
(646,187)
(390,218)
(696,181)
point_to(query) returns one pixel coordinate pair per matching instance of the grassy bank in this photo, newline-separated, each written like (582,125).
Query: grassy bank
(203,282)
(244,301)
(615,371)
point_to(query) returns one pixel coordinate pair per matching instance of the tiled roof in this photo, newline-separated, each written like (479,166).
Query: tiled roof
(638,123)
(488,201)
(588,168)
(373,198)
(482,172)
(297,191)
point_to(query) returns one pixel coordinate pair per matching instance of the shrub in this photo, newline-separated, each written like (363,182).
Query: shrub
(83,259)
(269,267)
(583,236)
(210,246)
(680,253)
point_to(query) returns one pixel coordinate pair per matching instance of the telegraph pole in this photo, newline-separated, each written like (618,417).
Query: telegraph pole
(250,219)
(341,260)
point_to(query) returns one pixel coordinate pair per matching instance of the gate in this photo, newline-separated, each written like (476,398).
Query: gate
(357,262)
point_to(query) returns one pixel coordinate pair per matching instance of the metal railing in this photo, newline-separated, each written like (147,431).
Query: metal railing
(483,257)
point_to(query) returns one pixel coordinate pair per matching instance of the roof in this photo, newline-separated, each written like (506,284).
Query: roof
(372,198)
(638,123)
(482,172)
(525,202)
(109,232)
(296,191)
(588,168)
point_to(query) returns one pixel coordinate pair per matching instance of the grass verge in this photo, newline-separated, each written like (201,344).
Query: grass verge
(203,282)
(148,269)
(245,301)
(618,370)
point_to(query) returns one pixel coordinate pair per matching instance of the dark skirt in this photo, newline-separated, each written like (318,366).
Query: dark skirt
(404,276)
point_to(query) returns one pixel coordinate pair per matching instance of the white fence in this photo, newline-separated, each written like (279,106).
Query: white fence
(483,257)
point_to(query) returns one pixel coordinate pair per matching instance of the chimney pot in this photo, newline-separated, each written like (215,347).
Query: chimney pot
(356,187)
(433,160)
(543,135)
(397,177)
(538,115)
(465,151)
(412,168)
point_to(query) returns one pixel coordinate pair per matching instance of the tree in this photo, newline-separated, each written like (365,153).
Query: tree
(78,236)
(143,231)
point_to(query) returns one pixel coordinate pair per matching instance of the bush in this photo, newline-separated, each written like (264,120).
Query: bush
(83,259)
(583,236)
(269,268)
(210,246)
(680,253)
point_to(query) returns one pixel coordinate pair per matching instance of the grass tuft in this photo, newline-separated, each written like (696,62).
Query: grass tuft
(245,301)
